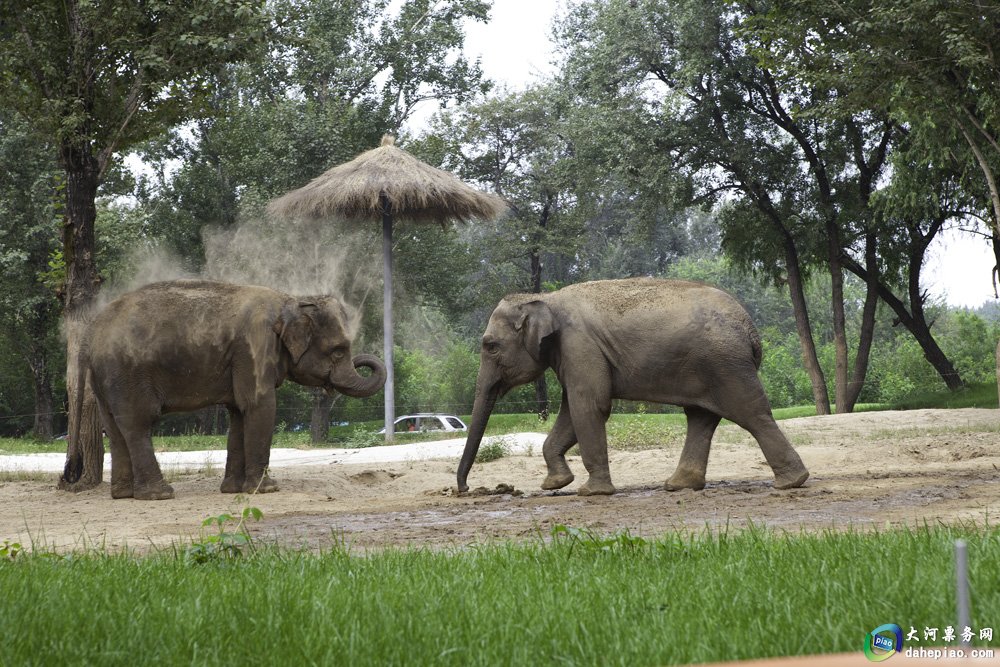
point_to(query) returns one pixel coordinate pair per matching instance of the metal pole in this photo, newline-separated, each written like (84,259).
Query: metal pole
(390,401)
(962,586)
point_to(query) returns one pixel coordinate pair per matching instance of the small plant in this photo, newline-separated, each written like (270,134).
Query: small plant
(225,544)
(586,539)
(360,439)
(10,550)
(493,450)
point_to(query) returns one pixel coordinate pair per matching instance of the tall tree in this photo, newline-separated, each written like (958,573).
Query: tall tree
(96,77)
(926,61)
(798,184)
(29,313)
(517,144)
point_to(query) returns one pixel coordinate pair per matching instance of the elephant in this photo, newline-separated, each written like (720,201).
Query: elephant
(182,345)
(643,339)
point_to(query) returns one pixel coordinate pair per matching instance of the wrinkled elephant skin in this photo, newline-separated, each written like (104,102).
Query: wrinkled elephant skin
(182,345)
(644,339)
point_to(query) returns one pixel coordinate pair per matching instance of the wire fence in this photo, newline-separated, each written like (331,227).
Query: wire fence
(294,417)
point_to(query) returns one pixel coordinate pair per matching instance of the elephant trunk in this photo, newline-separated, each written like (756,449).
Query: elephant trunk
(486,398)
(358,386)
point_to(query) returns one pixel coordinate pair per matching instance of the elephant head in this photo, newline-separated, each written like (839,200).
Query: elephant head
(314,334)
(515,351)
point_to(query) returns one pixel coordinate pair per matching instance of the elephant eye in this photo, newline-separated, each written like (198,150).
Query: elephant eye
(337,354)
(491,346)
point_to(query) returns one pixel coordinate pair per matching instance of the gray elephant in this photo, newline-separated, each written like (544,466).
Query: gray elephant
(186,344)
(666,341)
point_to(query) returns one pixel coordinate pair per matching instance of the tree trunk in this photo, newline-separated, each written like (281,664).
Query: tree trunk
(867,324)
(541,384)
(916,324)
(44,404)
(809,358)
(319,427)
(839,319)
(85,451)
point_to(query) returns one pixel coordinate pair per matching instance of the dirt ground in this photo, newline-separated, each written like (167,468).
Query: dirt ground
(868,470)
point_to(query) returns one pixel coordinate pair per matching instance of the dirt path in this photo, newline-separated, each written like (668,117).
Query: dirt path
(868,469)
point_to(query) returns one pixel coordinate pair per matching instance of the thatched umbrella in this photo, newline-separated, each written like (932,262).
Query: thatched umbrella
(388,183)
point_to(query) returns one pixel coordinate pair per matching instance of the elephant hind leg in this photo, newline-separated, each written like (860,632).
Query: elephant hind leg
(147,478)
(749,408)
(690,472)
(121,461)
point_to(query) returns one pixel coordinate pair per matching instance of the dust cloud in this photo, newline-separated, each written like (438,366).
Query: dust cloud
(299,258)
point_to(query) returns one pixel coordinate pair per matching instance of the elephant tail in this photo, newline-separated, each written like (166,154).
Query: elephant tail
(755,344)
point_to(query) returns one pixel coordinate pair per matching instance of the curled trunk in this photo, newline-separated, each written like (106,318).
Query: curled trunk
(358,386)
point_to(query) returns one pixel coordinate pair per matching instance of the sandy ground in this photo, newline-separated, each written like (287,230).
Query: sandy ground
(868,470)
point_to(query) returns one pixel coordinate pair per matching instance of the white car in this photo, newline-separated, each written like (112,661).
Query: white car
(426,421)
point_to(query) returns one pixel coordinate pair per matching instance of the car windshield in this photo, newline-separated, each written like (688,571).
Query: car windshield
(455,423)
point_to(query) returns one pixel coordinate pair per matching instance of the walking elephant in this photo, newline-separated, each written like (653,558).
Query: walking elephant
(183,345)
(665,341)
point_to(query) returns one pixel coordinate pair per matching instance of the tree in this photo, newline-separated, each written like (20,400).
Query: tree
(684,92)
(96,77)
(937,64)
(29,312)
(517,144)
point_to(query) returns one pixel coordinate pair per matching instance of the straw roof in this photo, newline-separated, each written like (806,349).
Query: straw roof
(415,191)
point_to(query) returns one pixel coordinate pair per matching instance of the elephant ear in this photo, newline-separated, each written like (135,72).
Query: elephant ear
(295,328)
(536,323)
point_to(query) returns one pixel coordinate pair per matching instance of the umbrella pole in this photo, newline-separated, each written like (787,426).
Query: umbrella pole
(390,400)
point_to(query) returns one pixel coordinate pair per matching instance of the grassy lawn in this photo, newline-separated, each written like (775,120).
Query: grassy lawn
(577,599)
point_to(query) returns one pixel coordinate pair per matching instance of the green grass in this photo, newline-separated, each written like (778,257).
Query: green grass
(973,396)
(584,599)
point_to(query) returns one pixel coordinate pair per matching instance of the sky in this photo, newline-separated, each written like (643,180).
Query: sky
(515,50)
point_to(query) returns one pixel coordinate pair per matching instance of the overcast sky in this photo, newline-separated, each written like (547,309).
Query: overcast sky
(515,49)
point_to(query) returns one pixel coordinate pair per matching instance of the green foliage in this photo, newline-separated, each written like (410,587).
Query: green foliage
(105,75)
(10,550)
(226,543)
(361,438)
(494,450)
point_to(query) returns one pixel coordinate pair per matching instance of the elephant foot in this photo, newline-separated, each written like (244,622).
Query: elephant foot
(121,490)
(156,491)
(792,479)
(685,480)
(232,485)
(553,482)
(597,487)
(264,485)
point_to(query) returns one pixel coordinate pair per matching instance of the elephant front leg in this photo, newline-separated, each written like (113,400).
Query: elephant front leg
(258,429)
(559,441)
(235,475)
(590,415)
(690,472)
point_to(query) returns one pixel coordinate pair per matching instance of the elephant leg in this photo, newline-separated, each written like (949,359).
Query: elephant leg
(147,478)
(235,475)
(121,462)
(559,441)
(258,429)
(590,411)
(747,406)
(690,472)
